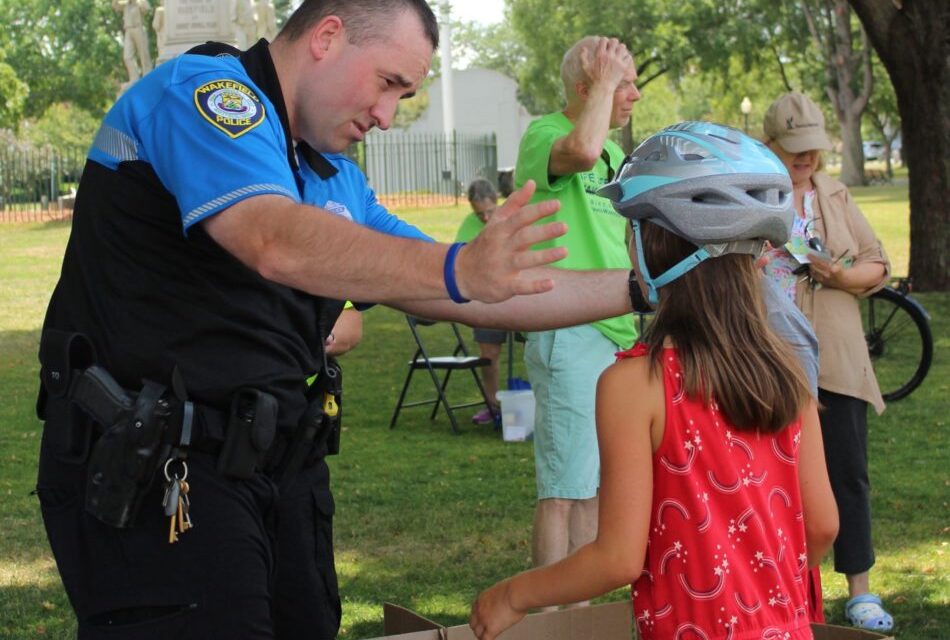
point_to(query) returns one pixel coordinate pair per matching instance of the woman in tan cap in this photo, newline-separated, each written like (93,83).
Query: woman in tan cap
(832,260)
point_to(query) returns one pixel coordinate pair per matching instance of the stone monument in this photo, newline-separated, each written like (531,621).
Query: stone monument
(245,23)
(158,25)
(135,38)
(266,20)
(191,22)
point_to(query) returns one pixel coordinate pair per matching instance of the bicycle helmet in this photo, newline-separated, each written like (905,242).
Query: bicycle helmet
(708,183)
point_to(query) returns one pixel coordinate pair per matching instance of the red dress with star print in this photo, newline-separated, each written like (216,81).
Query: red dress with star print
(726,556)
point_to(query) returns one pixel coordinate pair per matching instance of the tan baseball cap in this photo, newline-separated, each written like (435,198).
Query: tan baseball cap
(796,123)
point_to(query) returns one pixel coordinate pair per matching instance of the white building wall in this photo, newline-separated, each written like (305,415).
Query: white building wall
(485,102)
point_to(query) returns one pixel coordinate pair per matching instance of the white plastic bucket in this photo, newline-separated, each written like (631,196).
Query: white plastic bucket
(517,414)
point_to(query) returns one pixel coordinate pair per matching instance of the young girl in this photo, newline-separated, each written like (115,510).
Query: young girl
(714,498)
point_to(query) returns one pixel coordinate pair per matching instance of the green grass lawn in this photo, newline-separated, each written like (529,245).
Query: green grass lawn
(427,519)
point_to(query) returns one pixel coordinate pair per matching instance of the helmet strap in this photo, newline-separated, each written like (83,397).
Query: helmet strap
(683,266)
(652,296)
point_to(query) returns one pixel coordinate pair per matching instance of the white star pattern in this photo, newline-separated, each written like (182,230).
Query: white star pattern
(741,487)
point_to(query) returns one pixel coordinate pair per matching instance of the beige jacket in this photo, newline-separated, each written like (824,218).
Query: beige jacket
(844,365)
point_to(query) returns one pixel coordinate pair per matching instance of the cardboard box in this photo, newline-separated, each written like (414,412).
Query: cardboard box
(604,622)
(832,632)
(610,621)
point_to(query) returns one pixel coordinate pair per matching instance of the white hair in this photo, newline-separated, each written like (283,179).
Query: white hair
(572,71)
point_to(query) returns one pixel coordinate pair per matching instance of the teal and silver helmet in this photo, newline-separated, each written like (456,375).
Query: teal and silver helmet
(709,184)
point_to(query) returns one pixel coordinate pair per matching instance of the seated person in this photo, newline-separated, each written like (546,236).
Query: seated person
(483,198)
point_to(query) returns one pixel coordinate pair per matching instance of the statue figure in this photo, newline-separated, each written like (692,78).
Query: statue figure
(245,23)
(135,40)
(266,20)
(158,24)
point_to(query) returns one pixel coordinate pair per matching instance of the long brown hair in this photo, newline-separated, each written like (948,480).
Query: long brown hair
(716,318)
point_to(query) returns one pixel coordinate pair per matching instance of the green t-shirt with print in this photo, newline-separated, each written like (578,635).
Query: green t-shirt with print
(596,233)
(471,227)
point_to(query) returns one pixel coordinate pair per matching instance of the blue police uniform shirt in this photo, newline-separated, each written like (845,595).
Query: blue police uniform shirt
(152,290)
(347,194)
(229,126)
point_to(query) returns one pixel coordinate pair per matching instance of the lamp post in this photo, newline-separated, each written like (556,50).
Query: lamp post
(746,107)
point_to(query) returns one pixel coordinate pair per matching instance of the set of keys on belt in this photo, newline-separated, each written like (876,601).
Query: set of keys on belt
(176,502)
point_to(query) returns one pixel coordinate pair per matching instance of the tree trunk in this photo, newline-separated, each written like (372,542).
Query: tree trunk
(911,39)
(849,80)
(852,151)
(888,150)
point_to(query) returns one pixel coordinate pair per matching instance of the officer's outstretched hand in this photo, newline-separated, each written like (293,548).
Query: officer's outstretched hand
(493,267)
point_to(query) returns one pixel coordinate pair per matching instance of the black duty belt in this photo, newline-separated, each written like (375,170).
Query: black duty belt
(126,436)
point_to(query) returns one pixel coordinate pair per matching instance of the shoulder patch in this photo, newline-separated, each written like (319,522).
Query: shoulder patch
(230,106)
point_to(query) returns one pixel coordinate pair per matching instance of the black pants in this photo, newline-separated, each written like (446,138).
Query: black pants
(844,430)
(256,565)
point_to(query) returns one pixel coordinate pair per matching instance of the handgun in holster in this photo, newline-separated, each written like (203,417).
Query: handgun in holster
(138,432)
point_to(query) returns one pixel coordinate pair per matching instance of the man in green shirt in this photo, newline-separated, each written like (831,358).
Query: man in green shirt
(569,156)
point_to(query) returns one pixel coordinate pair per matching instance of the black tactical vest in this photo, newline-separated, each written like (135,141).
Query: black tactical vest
(150,298)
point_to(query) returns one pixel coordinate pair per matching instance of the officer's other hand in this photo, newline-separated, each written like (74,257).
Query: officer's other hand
(492,267)
(606,62)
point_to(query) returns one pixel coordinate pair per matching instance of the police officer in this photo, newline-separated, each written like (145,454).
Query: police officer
(196,294)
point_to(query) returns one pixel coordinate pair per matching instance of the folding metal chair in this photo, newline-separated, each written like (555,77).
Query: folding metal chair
(423,359)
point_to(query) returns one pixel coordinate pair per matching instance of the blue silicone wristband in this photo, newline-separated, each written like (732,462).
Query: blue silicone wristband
(448,274)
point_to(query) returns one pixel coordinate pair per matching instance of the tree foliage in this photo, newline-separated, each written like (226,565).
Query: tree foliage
(63,50)
(496,46)
(726,39)
(62,126)
(13,93)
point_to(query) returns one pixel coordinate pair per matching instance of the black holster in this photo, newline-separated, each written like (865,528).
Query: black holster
(78,400)
(125,459)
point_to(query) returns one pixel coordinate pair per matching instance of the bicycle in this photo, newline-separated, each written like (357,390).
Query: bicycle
(897,330)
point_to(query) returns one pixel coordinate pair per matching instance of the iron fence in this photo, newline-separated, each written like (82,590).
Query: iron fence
(405,170)
(38,184)
(425,169)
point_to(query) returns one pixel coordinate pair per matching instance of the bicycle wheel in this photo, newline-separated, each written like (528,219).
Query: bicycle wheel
(897,331)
